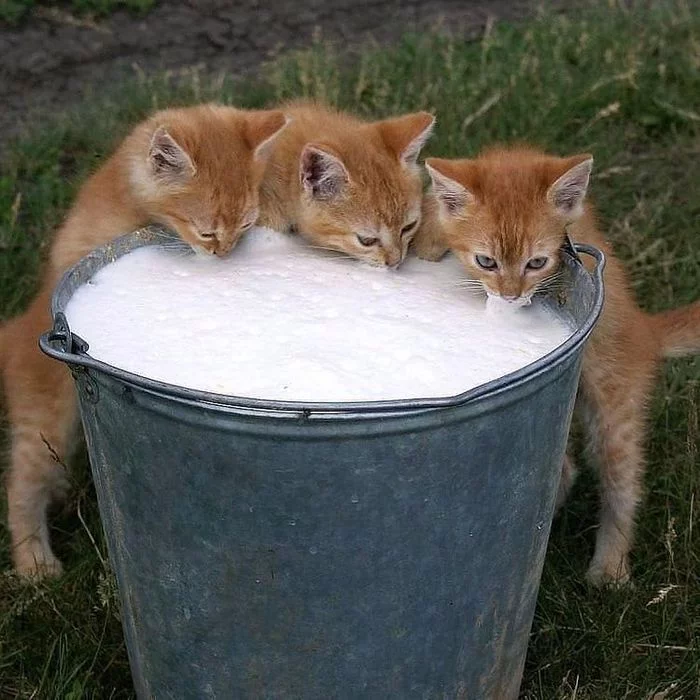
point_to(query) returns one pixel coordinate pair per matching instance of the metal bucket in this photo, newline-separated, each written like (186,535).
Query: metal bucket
(270,549)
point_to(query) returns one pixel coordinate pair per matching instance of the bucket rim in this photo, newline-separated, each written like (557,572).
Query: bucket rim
(60,344)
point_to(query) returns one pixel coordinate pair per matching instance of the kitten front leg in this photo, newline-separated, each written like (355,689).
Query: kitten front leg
(274,213)
(275,220)
(428,241)
(34,481)
(42,414)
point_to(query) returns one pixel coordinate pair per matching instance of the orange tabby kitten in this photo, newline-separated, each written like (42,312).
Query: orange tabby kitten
(196,170)
(504,215)
(346,184)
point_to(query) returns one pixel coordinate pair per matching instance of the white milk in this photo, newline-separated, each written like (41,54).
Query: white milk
(279,320)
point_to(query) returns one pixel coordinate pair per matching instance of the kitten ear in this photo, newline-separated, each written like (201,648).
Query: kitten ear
(167,158)
(405,136)
(452,195)
(261,130)
(569,190)
(322,173)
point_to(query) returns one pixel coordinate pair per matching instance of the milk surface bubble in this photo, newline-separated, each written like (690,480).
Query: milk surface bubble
(277,319)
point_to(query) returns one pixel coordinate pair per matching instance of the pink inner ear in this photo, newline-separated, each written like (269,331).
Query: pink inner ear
(447,177)
(167,157)
(322,174)
(453,201)
(311,169)
(569,190)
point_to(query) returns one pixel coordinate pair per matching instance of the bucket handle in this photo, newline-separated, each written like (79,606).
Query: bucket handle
(595,253)
(62,344)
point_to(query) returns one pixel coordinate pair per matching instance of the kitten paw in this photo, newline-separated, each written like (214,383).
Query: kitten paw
(37,563)
(427,247)
(432,254)
(610,574)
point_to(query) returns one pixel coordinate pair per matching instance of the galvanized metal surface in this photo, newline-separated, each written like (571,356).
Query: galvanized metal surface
(295,550)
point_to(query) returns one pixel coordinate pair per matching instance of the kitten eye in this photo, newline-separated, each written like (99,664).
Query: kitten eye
(486,262)
(207,234)
(536,263)
(246,225)
(409,227)
(367,242)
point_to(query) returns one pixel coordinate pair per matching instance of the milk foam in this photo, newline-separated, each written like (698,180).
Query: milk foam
(279,320)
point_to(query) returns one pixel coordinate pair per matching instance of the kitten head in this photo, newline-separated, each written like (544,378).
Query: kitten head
(361,194)
(197,171)
(505,213)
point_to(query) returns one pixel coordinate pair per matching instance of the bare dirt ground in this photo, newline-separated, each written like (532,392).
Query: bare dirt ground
(55,58)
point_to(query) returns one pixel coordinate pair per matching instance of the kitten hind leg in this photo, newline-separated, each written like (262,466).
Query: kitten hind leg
(566,481)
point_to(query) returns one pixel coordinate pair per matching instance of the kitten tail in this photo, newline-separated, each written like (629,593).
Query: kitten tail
(679,330)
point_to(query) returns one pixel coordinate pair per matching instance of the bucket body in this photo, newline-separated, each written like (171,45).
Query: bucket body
(284,550)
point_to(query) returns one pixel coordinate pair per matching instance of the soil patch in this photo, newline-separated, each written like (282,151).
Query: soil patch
(54,58)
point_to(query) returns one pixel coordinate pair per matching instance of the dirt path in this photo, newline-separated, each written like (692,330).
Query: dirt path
(55,58)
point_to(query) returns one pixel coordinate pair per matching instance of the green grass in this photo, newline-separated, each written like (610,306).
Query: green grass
(622,85)
(12,12)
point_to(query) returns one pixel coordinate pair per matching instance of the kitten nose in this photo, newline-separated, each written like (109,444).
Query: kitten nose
(510,297)
(392,261)
(223,245)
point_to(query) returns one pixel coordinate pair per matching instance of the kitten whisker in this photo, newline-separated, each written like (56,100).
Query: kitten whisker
(550,280)
(338,257)
(163,234)
(554,286)
(475,291)
(470,283)
(553,280)
(324,247)
(166,237)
